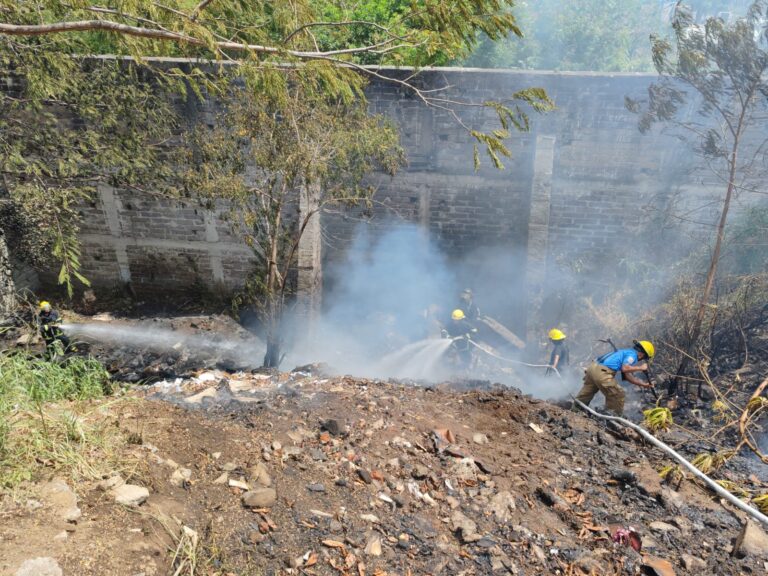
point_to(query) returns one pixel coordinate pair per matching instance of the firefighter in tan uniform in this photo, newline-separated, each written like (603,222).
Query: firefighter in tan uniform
(601,375)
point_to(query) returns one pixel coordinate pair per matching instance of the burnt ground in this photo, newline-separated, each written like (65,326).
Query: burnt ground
(371,478)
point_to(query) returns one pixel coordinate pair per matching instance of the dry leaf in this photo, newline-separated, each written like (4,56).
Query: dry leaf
(333,544)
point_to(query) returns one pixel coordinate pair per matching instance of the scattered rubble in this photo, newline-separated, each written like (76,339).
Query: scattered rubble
(266,471)
(130,495)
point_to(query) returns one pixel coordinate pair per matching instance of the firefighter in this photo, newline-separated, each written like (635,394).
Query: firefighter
(468,306)
(601,374)
(461,331)
(50,328)
(560,357)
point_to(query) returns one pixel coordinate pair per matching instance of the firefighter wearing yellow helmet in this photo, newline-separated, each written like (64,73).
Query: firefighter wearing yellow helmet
(50,329)
(560,356)
(601,374)
(460,330)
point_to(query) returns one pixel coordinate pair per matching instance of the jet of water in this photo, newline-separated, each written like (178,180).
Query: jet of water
(249,352)
(420,360)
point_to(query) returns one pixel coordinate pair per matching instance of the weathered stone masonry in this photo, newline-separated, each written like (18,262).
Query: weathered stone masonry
(565,191)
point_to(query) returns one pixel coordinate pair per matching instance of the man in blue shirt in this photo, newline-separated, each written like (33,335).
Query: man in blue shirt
(601,375)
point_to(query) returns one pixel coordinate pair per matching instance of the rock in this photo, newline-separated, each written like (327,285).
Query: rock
(420,472)
(657,566)
(181,476)
(61,536)
(480,439)
(317,455)
(752,541)
(28,339)
(693,564)
(663,527)
(39,567)
(260,498)
(222,479)
(501,505)
(228,467)
(318,487)
(61,498)
(553,500)
(233,483)
(198,398)
(624,476)
(335,527)
(130,495)
(365,476)
(463,469)
(370,518)
(589,564)
(109,483)
(464,527)
(539,553)
(485,542)
(258,474)
(373,546)
(276,446)
(333,427)
(671,500)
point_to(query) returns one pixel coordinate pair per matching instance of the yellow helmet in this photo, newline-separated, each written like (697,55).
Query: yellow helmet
(458,314)
(556,334)
(646,347)
(45,305)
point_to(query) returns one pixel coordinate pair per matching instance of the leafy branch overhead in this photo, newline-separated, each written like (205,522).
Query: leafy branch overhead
(364,37)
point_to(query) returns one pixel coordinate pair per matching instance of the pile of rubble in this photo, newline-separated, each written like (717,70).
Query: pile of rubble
(296,473)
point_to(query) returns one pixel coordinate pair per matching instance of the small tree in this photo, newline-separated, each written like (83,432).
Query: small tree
(720,69)
(274,163)
(119,124)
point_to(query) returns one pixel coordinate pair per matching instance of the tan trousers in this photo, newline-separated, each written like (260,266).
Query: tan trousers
(598,378)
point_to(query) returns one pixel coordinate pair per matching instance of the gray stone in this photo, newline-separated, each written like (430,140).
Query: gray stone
(260,498)
(663,527)
(420,472)
(693,564)
(480,439)
(39,567)
(181,476)
(109,483)
(61,498)
(464,527)
(501,505)
(752,541)
(130,495)
(318,487)
(258,474)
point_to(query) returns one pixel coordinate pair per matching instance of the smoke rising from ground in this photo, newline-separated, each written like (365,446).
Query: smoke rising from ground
(390,296)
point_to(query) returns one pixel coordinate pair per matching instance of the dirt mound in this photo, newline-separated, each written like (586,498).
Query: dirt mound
(297,473)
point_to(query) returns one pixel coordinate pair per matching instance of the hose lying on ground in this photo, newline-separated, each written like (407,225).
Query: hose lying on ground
(514,361)
(690,467)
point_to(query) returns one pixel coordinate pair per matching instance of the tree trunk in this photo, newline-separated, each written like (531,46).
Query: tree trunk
(695,333)
(7,287)
(274,301)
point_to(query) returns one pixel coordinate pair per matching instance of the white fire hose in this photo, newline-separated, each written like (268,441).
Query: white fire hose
(513,361)
(690,467)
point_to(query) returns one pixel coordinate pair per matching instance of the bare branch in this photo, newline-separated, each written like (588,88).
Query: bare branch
(198,9)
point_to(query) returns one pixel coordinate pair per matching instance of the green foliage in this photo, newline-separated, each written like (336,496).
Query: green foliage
(32,430)
(301,64)
(313,147)
(69,128)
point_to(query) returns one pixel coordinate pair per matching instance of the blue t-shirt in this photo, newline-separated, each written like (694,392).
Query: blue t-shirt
(615,360)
